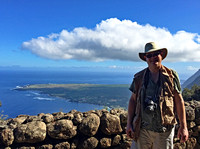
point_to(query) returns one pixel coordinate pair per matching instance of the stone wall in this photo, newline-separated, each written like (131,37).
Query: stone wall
(87,130)
(193,122)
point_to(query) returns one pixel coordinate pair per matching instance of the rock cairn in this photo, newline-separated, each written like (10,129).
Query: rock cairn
(83,130)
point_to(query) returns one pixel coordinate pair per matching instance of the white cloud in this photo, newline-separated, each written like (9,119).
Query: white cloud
(116,40)
(192,68)
(120,67)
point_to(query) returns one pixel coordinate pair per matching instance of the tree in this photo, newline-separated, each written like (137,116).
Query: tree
(192,94)
(196,94)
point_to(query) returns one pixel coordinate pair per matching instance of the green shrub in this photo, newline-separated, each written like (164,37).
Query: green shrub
(192,94)
(2,116)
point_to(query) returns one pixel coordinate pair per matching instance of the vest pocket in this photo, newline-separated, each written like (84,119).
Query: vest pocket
(168,110)
(167,90)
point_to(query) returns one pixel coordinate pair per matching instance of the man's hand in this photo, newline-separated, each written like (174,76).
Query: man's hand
(129,131)
(131,113)
(183,134)
(180,108)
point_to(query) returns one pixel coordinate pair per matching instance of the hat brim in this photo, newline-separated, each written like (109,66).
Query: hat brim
(164,53)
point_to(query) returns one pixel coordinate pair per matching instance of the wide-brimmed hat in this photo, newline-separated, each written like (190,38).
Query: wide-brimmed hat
(152,47)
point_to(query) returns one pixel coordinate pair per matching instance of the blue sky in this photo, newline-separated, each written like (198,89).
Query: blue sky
(99,33)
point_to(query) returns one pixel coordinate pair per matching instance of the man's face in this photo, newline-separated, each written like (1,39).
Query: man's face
(154,59)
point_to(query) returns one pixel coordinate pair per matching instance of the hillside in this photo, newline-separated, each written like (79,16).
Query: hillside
(194,79)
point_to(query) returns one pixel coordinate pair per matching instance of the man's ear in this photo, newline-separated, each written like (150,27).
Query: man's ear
(161,53)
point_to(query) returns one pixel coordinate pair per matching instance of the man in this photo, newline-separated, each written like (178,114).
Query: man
(155,99)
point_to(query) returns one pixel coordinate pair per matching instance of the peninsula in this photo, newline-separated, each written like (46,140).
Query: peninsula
(108,95)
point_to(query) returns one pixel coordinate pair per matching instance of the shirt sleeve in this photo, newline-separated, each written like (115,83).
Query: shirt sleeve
(132,87)
(177,85)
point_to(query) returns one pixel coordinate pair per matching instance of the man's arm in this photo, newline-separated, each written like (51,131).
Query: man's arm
(131,113)
(180,108)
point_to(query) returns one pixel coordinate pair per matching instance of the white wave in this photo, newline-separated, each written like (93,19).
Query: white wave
(19,87)
(35,93)
(43,98)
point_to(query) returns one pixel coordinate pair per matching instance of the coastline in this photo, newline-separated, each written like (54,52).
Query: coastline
(108,95)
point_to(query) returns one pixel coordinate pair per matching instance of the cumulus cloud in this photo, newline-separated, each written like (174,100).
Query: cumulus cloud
(113,39)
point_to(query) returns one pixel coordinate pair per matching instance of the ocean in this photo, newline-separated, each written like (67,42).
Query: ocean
(15,102)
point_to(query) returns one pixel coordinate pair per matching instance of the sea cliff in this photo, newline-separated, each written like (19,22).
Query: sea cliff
(83,130)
